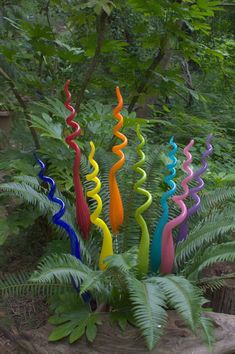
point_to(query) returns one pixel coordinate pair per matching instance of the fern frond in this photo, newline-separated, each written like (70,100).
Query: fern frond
(204,234)
(30,180)
(64,267)
(224,252)
(206,331)
(123,262)
(217,197)
(181,295)
(61,268)
(19,284)
(94,283)
(219,213)
(28,194)
(214,283)
(148,309)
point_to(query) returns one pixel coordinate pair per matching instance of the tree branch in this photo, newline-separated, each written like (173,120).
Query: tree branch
(24,107)
(188,80)
(95,60)
(47,14)
(156,60)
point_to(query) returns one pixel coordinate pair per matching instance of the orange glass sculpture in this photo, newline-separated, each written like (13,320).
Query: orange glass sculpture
(116,214)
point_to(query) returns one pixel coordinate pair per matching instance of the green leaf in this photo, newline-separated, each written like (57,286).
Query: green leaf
(61,267)
(165,108)
(122,322)
(77,332)
(91,331)
(28,194)
(108,6)
(119,317)
(36,30)
(61,331)
(216,53)
(56,320)
(203,234)
(113,45)
(72,54)
(47,127)
(45,47)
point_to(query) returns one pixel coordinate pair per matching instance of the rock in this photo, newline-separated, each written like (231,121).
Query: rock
(110,340)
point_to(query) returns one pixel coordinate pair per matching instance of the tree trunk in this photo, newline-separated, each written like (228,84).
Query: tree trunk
(223,299)
(5,121)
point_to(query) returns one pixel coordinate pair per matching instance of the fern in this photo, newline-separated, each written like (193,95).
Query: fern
(148,309)
(28,194)
(214,283)
(206,331)
(124,262)
(216,198)
(61,268)
(203,235)
(150,297)
(29,180)
(5,230)
(19,284)
(95,284)
(217,213)
(216,253)
(187,300)
(181,295)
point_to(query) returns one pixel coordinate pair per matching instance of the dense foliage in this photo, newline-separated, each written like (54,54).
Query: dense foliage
(173,60)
